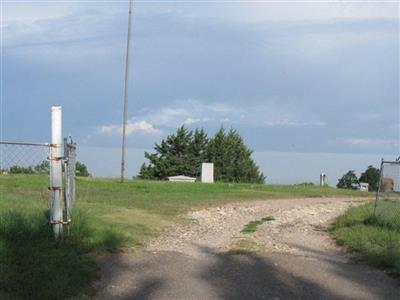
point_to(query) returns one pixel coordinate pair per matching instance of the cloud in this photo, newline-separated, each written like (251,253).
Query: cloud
(186,112)
(141,127)
(254,11)
(286,122)
(294,73)
(370,142)
(201,113)
(28,13)
(190,121)
(167,116)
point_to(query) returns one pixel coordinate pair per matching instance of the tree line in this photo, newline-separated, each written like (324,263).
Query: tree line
(183,152)
(351,181)
(44,168)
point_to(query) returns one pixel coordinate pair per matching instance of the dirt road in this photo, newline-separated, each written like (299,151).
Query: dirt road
(207,257)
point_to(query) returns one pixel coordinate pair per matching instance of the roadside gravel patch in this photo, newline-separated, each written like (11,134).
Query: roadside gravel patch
(298,223)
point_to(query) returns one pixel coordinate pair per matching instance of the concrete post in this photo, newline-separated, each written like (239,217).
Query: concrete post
(322,179)
(56,170)
(207,172)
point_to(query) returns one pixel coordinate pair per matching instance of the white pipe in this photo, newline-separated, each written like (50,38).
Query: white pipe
(56,170)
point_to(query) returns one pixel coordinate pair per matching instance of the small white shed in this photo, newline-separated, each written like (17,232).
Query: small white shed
(182,178)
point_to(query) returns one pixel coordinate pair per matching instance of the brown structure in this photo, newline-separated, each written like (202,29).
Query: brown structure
(387,184)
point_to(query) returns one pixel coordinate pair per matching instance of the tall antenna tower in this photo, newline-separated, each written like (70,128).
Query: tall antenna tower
(125,114)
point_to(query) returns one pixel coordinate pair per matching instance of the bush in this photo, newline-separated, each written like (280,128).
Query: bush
(81,170)
(348,181)
(21,170)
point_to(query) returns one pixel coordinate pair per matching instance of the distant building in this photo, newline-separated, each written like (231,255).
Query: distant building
(182,178)
(363,187)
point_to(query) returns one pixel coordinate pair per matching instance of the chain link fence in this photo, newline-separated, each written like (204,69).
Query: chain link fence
(387,205)
(69,178)
(22,158)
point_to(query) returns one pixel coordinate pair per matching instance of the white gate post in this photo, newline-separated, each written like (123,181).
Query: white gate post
(56,170)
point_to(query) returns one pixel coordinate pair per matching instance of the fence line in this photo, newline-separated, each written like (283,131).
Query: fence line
(33,158)
(387,204)
(24,157)
(69,177)
(25,144)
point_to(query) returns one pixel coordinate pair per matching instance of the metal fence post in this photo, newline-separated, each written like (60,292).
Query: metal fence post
(56,170)
(379,186)
(70,160)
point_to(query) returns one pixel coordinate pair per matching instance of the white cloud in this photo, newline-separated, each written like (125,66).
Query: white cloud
(268,114)
(141,127)
(167,115)
(186,112)
(190,121)
(109,128)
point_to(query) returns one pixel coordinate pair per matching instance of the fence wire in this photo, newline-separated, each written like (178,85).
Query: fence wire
(33,158)
(387,206)
(24,158)
(69,177)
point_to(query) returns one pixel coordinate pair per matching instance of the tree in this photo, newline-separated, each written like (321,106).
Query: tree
(146,172)
(371,176)
(21,170)
(81,169)
(232,158)
(180,153)
(183,153)
(348,181)
(43,167)
(198,150)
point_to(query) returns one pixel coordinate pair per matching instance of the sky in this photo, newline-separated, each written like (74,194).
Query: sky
(311,86)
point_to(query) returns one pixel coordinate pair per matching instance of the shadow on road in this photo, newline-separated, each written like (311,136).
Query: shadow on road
(214,275)
(252,276)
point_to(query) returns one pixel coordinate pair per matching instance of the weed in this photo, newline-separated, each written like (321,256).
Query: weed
(252,226)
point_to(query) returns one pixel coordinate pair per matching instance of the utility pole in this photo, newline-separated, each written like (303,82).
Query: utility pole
(125,116)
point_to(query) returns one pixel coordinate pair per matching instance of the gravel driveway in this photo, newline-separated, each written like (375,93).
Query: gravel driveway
(207,257)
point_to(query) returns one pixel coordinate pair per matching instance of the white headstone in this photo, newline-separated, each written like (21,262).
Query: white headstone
(207,172)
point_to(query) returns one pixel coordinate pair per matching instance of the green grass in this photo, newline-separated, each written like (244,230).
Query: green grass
(109,216)
(359,231)
(388,212)
(34,266)
(252,226)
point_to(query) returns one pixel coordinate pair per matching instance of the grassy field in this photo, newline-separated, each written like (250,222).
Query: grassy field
(388,211)
(373,240)
(109,216)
